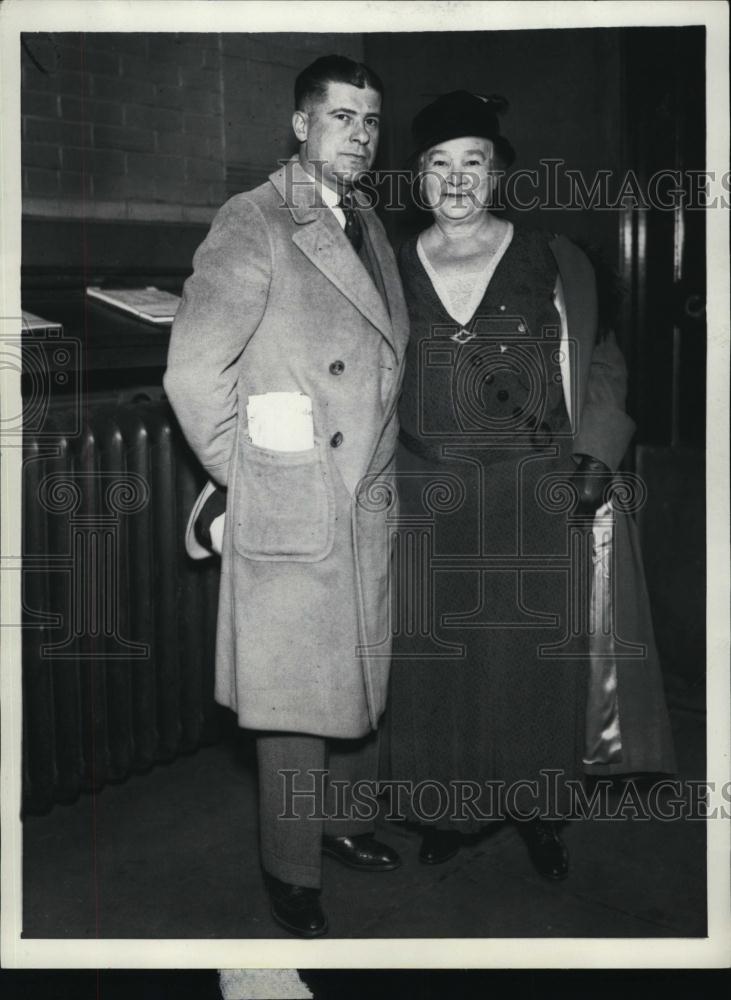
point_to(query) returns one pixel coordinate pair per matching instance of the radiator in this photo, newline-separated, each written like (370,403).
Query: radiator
(119,625)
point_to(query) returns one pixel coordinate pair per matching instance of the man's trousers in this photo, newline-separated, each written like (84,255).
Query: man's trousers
(305,790)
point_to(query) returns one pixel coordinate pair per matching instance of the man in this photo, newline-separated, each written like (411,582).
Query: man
(285,365)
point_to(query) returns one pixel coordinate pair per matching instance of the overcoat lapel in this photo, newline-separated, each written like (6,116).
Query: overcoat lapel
(323,242)
(390,275)
(326,246)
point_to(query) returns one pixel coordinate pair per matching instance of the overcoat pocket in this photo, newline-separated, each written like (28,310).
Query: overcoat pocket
(283,504)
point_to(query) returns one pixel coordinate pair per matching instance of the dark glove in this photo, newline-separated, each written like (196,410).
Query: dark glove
(214,506)
(592,480)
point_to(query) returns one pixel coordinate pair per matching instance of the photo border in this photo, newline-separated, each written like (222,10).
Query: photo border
(17,16)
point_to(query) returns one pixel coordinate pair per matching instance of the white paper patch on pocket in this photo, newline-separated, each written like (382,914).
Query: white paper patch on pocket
(281,421)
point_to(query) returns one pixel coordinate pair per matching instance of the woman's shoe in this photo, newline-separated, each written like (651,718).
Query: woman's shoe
(547,851)
(438,846)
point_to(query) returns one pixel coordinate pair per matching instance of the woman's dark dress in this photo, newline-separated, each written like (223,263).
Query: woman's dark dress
(483,551)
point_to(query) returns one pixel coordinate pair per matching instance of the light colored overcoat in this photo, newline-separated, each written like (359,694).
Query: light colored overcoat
(280,302)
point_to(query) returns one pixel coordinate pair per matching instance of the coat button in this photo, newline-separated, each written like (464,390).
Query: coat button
(336,440)
(337,368)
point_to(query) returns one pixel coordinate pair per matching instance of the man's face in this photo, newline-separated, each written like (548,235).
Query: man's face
(339,131)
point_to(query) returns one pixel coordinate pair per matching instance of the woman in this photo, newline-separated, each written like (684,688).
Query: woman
(511,404)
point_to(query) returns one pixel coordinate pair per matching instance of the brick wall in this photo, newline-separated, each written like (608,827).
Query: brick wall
(122,125)
(157,126)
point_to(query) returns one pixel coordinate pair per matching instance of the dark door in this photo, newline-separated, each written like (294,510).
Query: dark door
(663,263)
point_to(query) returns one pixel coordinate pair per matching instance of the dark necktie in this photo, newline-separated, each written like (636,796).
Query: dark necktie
(353,228)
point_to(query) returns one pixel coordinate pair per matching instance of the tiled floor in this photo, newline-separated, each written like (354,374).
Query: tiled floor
(173,854)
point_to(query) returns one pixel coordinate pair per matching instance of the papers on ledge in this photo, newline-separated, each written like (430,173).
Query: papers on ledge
(148,303)
(33,323)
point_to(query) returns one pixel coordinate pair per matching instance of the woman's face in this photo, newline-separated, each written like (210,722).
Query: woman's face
(457,178)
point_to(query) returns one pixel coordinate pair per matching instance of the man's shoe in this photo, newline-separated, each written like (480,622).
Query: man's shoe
(296,908)
(361,851)
(547,851)
(438,846)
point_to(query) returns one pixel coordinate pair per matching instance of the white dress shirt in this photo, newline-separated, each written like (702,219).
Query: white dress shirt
(331,199)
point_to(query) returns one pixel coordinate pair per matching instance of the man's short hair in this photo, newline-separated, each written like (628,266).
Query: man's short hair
(312,82)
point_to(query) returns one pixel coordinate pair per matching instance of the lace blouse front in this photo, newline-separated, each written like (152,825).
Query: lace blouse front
(461,294)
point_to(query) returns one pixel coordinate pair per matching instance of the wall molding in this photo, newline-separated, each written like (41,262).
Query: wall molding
(127,211)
